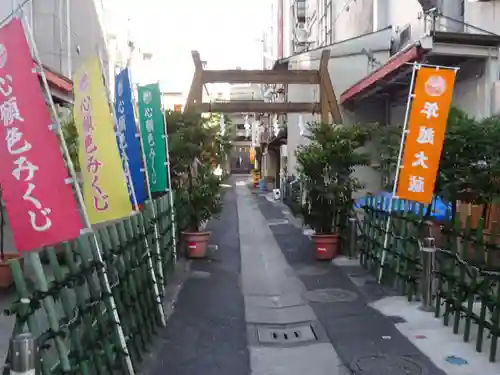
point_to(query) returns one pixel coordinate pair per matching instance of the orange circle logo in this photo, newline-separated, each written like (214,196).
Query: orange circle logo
(435,86)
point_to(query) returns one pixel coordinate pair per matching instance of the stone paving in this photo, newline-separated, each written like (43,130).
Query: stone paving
(262,305)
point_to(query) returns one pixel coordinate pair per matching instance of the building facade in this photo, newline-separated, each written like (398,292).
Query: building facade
(372,45)
(66,33)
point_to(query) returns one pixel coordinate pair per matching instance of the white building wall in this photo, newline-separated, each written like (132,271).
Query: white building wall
(346,67)
(52,31)
(353,19)
(485,15)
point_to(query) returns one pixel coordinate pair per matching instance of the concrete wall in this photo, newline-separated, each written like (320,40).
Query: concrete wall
(346,67)
(49,23)
(355,21)
(486,15)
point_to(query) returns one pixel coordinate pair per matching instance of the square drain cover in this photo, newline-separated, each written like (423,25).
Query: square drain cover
(285,335)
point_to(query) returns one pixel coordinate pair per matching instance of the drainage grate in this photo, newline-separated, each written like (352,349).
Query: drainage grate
(273,222)
(330,295)
(308,270)
(286,335)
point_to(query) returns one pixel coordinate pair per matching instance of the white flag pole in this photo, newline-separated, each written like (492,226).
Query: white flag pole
(398,170)
(148,184)
(128,177)
(107,287)
(170,190)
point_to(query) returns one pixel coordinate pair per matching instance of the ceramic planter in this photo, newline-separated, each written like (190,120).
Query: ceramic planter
(326,246)
(196,243)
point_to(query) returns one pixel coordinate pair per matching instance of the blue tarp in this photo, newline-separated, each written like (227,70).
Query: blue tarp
(439,208)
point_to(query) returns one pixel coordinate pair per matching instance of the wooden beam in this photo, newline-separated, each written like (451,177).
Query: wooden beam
(258,107)
(271,77)
(195,95)
(326,88)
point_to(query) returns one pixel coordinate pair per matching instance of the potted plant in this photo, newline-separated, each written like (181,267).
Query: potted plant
(325,167)
(202,201)
(195,147)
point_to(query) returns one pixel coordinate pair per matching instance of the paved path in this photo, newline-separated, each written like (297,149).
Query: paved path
(206,335)
(278,311)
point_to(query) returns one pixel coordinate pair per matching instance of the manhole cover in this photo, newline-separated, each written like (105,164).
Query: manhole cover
(285,335)
(310,271)
(386,365)
(200,275)
(273,222)
(330,295)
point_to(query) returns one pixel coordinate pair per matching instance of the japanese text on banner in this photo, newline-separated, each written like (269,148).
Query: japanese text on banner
(153,136)
(37,192)
(126,137)
(426,131)
(104,188)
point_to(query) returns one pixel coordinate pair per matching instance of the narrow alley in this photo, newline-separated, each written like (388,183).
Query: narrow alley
(262,305)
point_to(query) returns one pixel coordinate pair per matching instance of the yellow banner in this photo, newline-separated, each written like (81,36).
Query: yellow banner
(104,187)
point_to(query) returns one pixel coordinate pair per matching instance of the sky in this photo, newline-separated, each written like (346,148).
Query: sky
(227,33)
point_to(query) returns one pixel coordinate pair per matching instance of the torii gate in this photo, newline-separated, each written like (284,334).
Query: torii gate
(327,104)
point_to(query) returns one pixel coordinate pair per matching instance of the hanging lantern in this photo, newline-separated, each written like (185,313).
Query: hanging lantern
(247,127)
(255,133)
(276,126)
(222,125)
(302,127)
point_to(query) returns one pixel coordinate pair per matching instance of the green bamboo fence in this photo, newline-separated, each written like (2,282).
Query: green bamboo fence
(467,268)
(69,309)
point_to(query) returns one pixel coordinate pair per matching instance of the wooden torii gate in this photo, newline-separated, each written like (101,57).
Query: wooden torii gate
(326,106)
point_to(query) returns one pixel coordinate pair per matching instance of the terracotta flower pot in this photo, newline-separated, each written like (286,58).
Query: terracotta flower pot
(326,246)
(6,278)
(196,243)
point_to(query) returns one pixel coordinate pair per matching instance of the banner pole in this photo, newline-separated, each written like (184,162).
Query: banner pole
(148,183)
(128,177)
(398,170)
(170,190)
(71,167)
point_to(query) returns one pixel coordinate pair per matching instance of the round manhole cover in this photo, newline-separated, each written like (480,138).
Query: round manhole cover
(330,295)
(310,271)
(200,275)
(386,365)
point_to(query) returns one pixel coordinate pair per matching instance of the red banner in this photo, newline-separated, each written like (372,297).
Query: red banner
(39,200)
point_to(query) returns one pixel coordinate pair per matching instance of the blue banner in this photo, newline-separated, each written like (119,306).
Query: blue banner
(126,136)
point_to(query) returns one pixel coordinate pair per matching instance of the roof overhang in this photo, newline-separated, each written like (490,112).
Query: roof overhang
(440,48)
(60,86)
(389,73)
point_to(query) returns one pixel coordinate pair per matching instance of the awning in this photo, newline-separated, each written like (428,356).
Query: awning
(59,83)
(395,67)
(441,48)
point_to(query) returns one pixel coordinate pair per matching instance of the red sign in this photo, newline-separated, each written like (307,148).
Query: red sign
(38,195)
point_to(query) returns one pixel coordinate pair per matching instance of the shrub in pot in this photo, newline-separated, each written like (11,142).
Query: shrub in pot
(201,200)
(325,167)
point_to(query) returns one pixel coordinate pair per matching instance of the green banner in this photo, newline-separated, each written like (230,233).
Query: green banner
(153,136)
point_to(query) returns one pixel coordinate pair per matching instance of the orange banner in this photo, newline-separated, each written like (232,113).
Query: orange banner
(426,131)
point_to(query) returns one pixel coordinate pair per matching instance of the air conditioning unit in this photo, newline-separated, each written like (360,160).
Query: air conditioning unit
(300,10)
(401,39)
